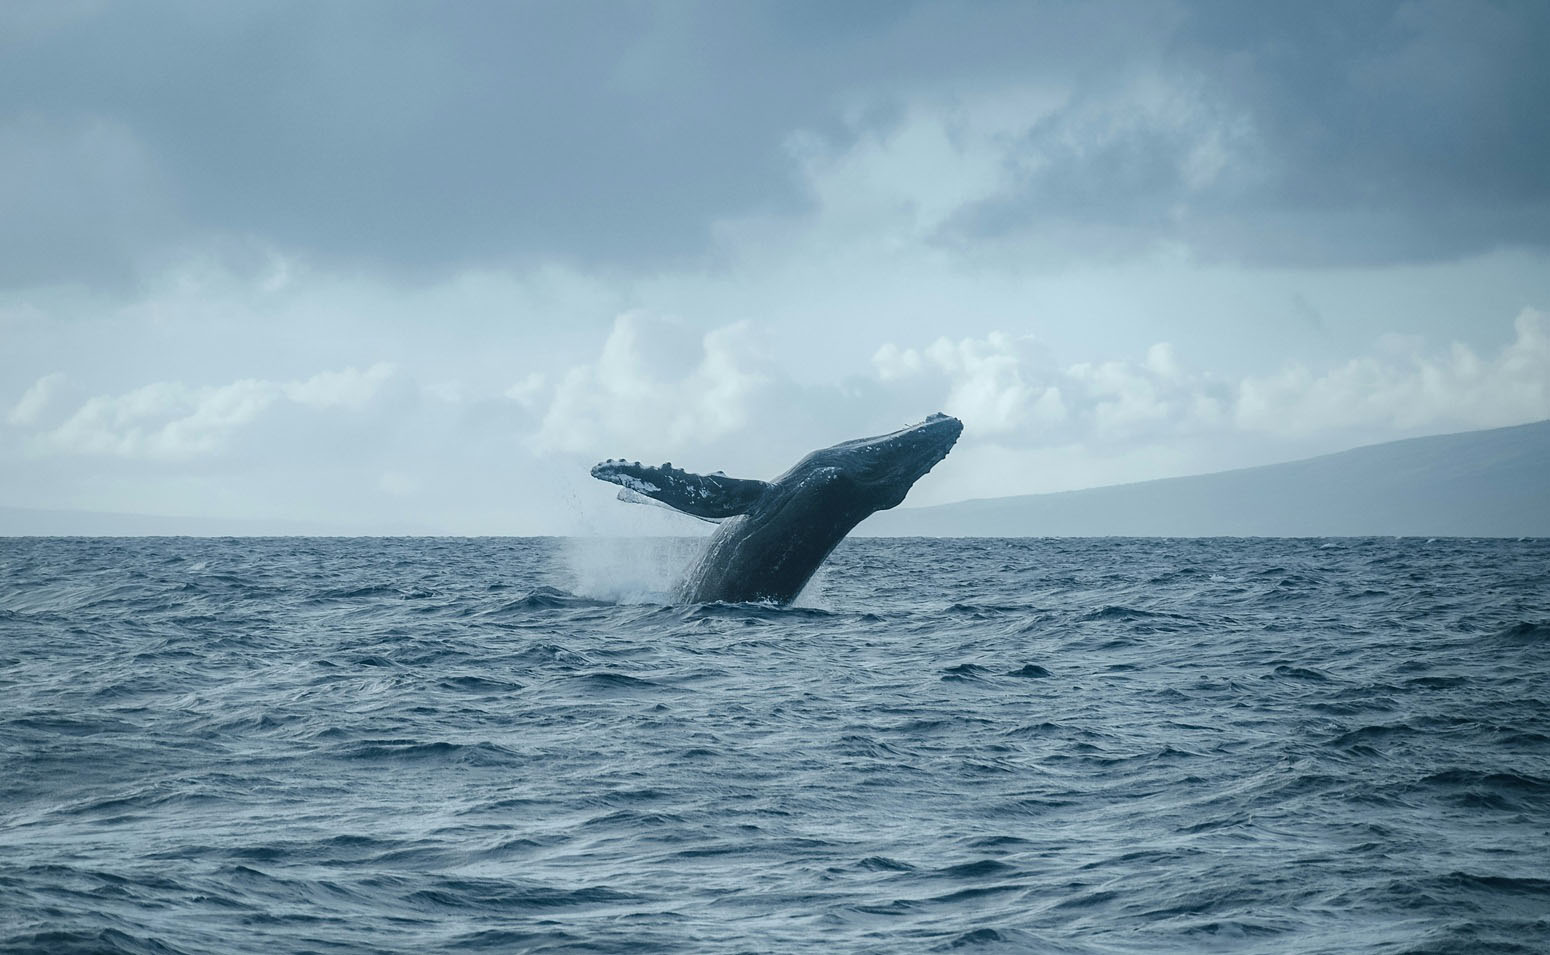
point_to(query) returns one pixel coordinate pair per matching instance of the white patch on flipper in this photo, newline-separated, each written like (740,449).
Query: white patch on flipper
(630,497)
(635,484)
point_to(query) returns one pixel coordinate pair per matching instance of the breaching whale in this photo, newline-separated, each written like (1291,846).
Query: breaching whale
(775,534)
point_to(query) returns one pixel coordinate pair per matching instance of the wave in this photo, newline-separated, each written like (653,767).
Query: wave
(1064,745)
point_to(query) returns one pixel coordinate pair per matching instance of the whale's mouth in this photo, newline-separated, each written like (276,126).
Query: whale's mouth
(941,432)
(889,465)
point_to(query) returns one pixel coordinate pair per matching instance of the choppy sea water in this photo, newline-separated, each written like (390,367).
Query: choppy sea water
(414,745)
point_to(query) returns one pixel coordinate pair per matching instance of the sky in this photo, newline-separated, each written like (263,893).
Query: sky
(390,266)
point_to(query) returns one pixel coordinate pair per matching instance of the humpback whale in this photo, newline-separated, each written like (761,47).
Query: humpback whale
(775,534)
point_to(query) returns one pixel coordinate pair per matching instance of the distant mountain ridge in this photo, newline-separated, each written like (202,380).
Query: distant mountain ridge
(1492,483)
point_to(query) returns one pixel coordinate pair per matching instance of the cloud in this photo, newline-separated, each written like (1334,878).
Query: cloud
(906,179)
(529,390)
(173,421)
(1316,135)
(1120,165)
(349,388)
(653,385)
(1410,389)
(995,383)
(413,143)
(371,444)
(84,199)
(403,139)
(35,400)
(1009,392)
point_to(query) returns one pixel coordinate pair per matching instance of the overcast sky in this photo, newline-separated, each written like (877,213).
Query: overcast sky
(411,265)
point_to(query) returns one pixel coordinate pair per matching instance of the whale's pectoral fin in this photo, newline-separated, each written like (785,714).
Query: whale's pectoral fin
(710,496)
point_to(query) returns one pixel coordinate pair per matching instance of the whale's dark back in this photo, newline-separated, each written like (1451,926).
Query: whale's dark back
(771,552)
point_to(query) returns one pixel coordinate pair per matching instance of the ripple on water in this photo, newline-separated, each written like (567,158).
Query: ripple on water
(1038,745)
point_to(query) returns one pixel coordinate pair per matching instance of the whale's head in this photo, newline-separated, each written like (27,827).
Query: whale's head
(879,471)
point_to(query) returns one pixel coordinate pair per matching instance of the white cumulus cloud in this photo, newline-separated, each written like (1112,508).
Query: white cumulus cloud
(170,420)
(348,388)
(995,384)
(653,385)
(1007,391)
(35,400)
(1409,388)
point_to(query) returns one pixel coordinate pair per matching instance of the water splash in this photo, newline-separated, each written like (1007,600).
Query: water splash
(626,570)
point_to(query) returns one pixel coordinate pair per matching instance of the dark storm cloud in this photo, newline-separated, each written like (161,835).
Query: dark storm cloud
(415,136)
(1422,124)
(410,134)
(418,137)
(1357,133)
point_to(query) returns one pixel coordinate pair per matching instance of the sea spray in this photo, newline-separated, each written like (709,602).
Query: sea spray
(625,570)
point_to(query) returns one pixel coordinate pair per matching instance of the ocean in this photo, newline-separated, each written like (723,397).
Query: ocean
(520,745)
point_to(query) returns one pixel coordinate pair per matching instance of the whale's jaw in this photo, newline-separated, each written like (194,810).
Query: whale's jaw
(882,469)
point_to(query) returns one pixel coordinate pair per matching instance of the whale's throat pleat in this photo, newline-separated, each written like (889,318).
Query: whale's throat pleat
(703,495)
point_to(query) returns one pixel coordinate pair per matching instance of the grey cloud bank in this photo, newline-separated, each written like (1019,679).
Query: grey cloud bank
(399,137)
